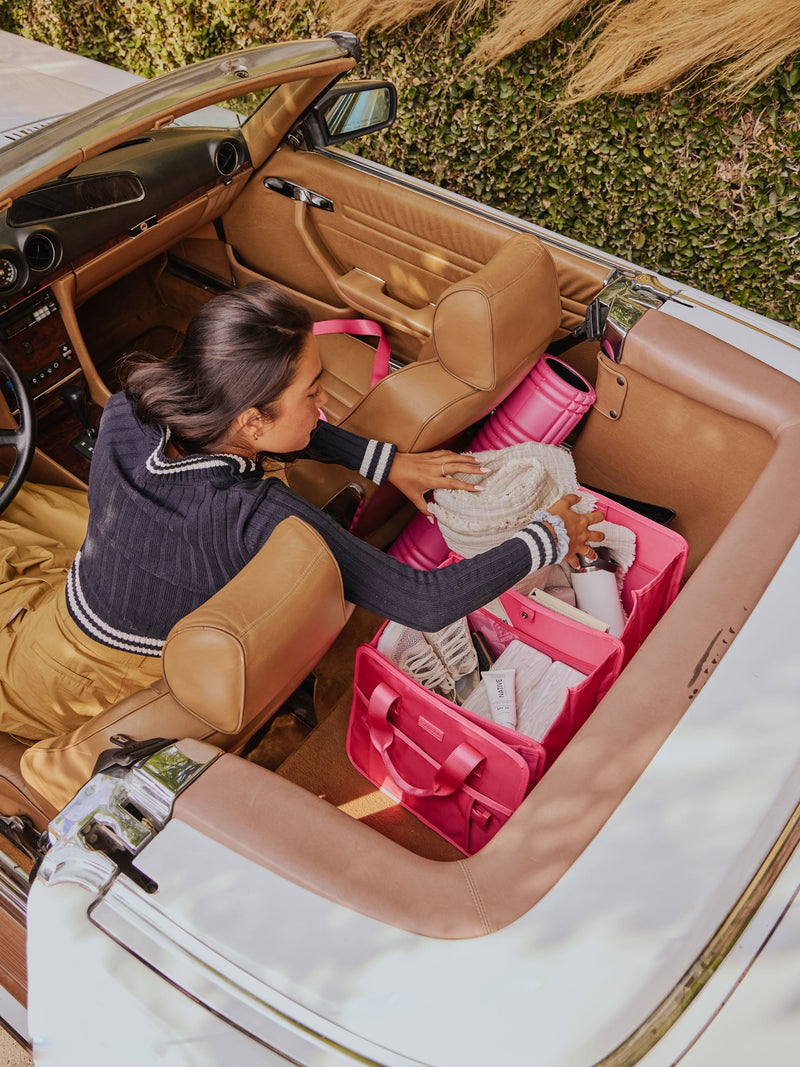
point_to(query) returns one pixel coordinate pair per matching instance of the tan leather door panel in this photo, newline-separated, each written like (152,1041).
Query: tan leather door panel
(384,247)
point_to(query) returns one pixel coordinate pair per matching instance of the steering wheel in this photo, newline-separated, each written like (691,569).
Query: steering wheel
(23,438)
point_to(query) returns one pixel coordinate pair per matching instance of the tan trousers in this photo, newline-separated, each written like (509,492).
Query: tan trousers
(52,675)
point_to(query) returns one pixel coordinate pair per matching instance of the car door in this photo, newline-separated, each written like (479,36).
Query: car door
(343,233)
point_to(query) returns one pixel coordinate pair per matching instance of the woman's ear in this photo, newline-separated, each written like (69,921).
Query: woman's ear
(249,423)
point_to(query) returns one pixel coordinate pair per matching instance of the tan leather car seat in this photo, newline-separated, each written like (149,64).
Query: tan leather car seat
(488,331)
(228,666)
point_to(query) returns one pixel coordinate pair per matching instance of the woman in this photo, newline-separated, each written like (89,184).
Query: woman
(178,505)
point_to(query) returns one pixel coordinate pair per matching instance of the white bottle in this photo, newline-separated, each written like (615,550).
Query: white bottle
(595,585)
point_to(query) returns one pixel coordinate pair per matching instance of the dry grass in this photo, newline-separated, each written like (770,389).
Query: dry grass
(631,46)
(649,44)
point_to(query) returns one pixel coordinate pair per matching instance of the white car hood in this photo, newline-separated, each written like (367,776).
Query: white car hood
(42,83)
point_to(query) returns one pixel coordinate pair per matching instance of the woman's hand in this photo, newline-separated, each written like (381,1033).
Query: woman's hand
(577,525)
(416,473)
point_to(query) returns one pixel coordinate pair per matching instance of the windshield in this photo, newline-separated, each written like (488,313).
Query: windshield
(163,100)
(230,114)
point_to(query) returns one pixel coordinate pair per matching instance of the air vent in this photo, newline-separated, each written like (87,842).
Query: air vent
(42,251)
(226,157)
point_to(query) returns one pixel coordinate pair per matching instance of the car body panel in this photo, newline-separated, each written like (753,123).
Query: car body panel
(605,946)
(627,941)
(38,78)
(134,1000)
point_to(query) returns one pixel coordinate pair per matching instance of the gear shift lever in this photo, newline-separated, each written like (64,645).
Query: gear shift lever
(74,397)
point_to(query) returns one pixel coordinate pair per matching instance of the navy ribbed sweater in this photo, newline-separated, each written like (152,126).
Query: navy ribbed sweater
(165,534)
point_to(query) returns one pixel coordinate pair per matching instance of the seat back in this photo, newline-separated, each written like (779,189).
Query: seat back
(227,667)
(488,331)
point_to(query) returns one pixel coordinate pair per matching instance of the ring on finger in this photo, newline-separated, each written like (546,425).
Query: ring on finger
(443,471)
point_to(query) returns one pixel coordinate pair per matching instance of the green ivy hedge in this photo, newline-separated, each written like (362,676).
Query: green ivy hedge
(701,189)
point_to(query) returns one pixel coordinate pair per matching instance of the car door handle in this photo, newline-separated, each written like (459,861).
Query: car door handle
(298,192)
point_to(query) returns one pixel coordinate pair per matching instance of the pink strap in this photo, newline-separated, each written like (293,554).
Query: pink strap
(361,328)
(448,776)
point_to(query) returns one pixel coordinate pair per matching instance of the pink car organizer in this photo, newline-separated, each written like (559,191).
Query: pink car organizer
(597,655)
(544,407)
(649,587)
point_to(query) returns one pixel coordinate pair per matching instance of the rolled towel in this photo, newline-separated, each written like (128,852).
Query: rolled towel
(542,703)
(531,666)
(521,480)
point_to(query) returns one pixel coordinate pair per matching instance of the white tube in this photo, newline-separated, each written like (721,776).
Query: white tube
(502,696)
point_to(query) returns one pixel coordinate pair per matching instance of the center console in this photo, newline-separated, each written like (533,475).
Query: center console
(35,338)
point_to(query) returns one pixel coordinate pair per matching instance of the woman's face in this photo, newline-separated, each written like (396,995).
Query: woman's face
(298,406)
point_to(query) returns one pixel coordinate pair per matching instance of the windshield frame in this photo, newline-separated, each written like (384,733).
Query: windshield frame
(79,136)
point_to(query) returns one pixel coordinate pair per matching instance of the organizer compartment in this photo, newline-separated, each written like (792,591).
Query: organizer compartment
(597,655)
(649,587)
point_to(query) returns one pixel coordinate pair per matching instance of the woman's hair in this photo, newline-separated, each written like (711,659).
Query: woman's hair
(240,351)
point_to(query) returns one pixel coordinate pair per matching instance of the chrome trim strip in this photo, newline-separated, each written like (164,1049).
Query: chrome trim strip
(13,888)
(647,1035)
(694,301)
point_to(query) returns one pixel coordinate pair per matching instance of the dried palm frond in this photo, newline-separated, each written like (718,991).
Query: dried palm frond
(647,44)
(524,21)
(630,46)
(363,15)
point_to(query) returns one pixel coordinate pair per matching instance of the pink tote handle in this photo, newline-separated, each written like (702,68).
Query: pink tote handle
(361,328)
(448,776)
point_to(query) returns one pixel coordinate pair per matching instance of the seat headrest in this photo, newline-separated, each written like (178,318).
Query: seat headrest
(485,326)
(253,642)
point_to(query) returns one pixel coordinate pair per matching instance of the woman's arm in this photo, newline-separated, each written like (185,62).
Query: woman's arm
(413,473)
(372,459)
(425,600)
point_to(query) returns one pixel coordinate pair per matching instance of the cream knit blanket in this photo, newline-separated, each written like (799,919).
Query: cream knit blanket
(522,479)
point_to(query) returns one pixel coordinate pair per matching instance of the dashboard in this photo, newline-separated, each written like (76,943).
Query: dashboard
(65,224)
(112,197)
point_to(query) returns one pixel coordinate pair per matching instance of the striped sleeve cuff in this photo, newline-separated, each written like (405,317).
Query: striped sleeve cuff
(377,461)
(544,548)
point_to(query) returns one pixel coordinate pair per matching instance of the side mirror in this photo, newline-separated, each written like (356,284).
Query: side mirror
(350,110)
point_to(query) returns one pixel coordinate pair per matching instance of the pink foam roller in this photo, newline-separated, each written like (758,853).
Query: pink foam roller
(420,544)
(544,407)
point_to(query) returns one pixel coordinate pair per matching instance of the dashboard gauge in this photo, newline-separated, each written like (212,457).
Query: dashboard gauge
(9,273)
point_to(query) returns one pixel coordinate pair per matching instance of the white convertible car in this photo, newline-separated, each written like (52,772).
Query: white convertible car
(199,875)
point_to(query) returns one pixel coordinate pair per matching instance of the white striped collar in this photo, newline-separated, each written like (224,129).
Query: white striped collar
(158,463)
